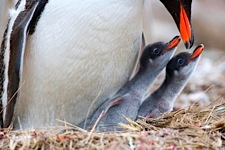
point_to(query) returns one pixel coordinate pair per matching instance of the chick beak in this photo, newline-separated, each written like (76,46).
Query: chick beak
(197,52)
(172,44)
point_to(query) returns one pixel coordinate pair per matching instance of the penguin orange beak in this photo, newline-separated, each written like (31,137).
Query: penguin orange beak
(185,28)
(197,52)
(172,44)
(181,13)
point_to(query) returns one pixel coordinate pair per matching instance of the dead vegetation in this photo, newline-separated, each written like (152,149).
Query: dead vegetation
(194,127)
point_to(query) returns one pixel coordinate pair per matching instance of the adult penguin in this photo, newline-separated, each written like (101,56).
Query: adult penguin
(57,57)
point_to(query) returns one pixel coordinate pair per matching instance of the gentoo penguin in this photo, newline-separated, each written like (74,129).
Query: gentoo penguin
(58,57)
(129,98)
(178,72)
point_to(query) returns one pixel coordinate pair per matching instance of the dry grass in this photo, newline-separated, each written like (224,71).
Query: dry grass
(194,127)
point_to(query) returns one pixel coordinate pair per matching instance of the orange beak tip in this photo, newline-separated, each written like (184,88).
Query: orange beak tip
(185,28)
(199,48)
(197,52)
(172,44)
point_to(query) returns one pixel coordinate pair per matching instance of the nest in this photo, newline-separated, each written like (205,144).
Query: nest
(194,127)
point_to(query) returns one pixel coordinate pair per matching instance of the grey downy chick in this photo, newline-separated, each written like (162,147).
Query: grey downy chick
(129,98)
(178,72)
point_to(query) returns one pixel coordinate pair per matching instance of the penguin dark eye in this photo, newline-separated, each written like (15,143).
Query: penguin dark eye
(156,51)
(180,61)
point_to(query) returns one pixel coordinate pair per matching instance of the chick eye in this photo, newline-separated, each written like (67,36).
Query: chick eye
(180,61)
(156,51)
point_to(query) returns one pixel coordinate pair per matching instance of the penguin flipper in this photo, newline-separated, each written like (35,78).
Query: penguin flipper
(137,65)
(11,59)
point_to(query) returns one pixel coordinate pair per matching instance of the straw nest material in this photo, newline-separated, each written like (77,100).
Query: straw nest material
(194,127)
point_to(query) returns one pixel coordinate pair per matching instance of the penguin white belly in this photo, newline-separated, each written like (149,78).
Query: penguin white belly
(80,49)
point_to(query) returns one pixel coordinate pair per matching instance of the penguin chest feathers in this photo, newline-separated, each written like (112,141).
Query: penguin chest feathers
(80,51)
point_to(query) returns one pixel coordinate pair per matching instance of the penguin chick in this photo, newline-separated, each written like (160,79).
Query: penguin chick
(178,72)
(129,98)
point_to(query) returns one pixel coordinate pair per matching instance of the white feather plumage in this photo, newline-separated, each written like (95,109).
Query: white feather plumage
(80,48)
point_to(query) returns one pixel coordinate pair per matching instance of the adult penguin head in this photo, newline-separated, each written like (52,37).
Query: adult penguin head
(181,13)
